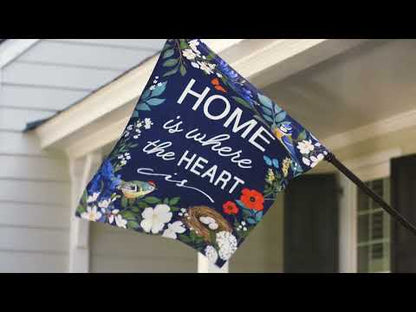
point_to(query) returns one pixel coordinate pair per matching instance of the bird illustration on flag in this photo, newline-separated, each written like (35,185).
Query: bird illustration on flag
(136,189)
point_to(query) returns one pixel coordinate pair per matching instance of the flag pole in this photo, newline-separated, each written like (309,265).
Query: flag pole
(350,175)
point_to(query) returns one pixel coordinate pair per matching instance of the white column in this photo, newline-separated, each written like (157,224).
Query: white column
(347,226)
(204,266)
(81,172)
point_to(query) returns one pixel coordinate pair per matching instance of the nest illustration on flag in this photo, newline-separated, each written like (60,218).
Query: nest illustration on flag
(202,158)
(206,222)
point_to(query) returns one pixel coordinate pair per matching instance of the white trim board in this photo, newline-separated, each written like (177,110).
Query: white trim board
(204,266)
(373,166)
(372,130)
(367,166)
(347,253)
(79,249)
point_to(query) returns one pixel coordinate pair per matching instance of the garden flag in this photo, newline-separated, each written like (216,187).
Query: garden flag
(202,157)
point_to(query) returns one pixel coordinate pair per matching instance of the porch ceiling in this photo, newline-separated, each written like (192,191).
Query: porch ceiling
(366,84)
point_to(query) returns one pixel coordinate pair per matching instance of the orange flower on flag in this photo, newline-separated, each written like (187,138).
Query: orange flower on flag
(252,199)
(230,208)
(216,83)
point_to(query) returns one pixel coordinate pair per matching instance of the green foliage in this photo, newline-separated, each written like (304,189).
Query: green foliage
(142,204)
(192,239)
(82,207)
(182,70)
(155,102)
(270,111)
(132,225)
(168,53)
(174,201)
(173,57)
(159,90)
(151,200)
(183,44)
(128,214)
(171,72)
(301,136)
(135,209)
(241,101)
(151,98)
(171,62)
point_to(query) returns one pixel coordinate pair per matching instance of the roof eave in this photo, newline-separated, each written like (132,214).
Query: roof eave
(100,117)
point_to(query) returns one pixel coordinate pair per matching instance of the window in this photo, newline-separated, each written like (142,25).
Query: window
(373,229)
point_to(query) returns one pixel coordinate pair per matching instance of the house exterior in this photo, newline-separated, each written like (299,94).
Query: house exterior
(65,102)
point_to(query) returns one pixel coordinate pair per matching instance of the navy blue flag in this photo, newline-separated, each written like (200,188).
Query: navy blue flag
(202,157)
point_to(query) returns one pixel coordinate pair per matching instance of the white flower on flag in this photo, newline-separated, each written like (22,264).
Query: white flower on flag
(112,215)
(173,229)
(91,214)
(120,222)
(305,147)
(148,123)
(154,219)
(189,54)
(104,203)
(211,254)
(92,198)
(316,160)
(227,244)
(206,67)
(194,46)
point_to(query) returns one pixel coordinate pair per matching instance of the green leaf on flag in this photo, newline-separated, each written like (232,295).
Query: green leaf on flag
(159,89)
(168,53)
(183,70)
(143,107)
(174,201)
(264,100)
(170,62)
(151,200)
(155,101)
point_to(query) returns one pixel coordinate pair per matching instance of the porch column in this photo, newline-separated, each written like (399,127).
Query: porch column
(204,266)
(81,172)
(347,226)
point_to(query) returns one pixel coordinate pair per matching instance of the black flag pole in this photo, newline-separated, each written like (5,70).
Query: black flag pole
(350,175)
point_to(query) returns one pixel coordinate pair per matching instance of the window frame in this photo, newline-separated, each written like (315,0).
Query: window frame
(368,167)
(370,211)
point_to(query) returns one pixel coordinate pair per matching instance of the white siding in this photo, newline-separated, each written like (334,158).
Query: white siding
(84,55)
(47,75)
(33,168)
(21,261)
(13,119)
(34,188)
(147,44)
(34,184)
(42,98)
